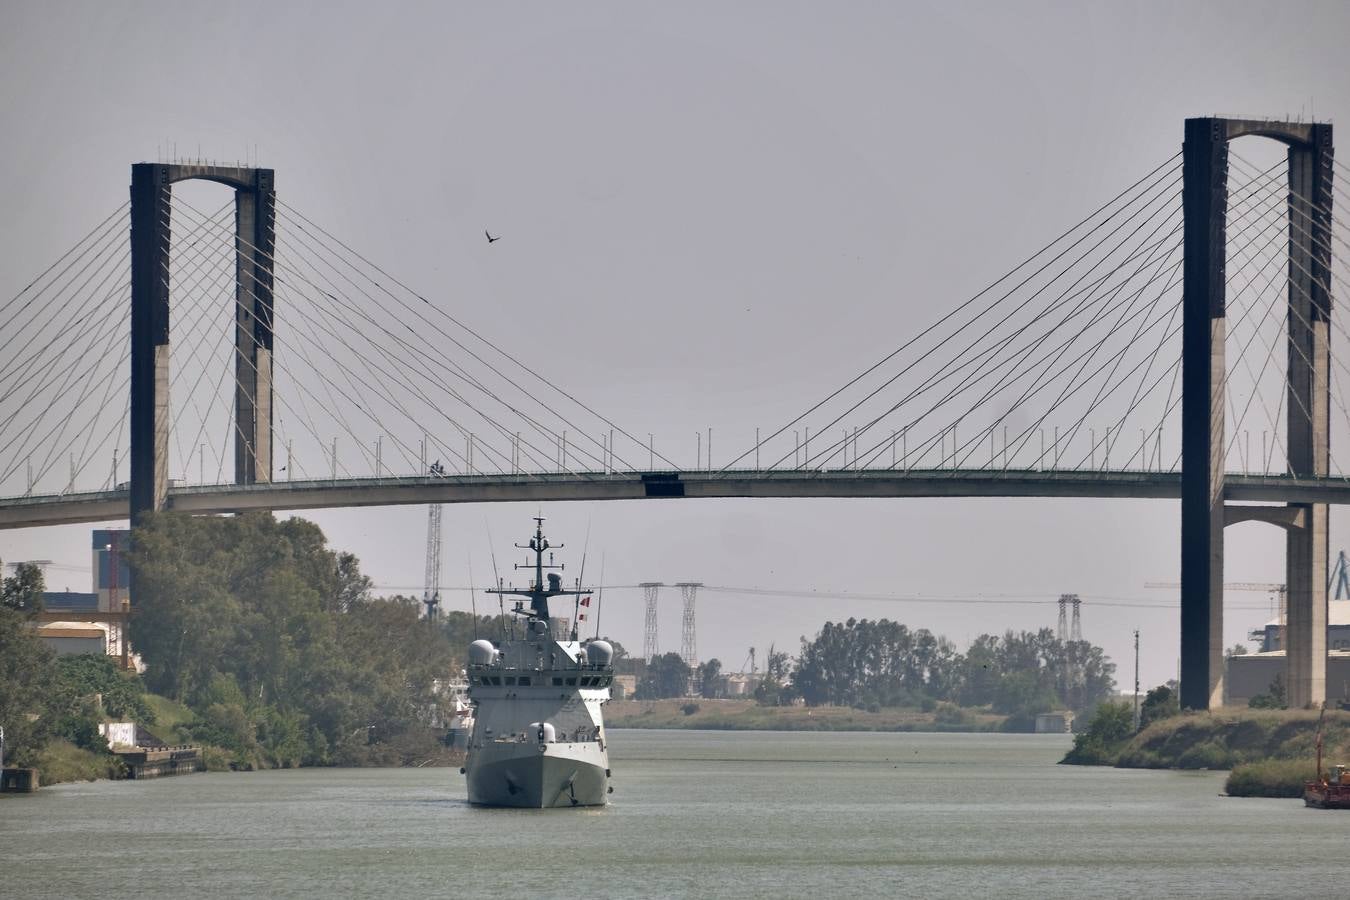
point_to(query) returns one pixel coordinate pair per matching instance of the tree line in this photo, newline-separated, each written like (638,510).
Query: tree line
(874,663)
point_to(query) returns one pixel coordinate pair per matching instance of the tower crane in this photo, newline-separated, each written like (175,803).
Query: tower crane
(1279,595)
(431,596)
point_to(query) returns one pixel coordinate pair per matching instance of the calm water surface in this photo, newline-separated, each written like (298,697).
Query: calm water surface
(729,814)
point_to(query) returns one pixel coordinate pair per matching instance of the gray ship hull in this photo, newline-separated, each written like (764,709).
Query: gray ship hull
(532,779)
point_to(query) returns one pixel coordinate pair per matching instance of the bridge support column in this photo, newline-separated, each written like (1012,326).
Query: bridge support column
(255,212)
(1309,442)
(255,216)
(149,338)
(1204,200)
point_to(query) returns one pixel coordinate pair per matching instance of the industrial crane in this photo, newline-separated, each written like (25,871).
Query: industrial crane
(431,596)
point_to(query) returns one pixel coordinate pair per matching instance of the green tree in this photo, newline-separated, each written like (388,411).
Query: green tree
(1160,703)
(23,590)
(278,646)
(710,680)
(1274,698)
(1023,695)
(1109,730)
(667,676)
(27,671)
(773,688)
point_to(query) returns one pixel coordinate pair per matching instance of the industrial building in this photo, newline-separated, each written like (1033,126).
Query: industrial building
(76,622)
(1253,673)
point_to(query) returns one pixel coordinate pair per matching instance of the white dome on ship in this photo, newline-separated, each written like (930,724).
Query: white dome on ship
(481,653)
(599,653)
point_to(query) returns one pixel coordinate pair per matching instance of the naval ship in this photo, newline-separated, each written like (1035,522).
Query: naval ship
(538,738)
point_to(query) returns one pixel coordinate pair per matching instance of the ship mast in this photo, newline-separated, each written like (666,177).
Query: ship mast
(538,593)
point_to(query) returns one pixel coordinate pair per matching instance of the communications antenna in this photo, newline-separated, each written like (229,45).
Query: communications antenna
(688,639)
(431,596)
(650,648)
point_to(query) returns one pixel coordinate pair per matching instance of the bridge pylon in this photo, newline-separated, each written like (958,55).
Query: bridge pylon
(1204,513)
(255,214)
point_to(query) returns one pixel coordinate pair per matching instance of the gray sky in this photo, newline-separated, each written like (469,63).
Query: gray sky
(711,215)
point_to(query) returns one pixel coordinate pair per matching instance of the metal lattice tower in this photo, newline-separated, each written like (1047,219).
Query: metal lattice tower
(650,648)
(688,638)
(1076,632)
(432,595)
(1062,631)
(1340,576)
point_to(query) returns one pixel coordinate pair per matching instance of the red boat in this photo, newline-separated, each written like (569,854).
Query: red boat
(1327,792)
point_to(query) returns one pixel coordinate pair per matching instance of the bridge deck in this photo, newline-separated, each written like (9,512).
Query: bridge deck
(26,512)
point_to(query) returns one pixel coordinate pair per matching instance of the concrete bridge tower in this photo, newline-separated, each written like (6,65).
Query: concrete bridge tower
(1204,513)
(255,207)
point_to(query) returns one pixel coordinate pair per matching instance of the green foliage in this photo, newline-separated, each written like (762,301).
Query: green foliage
(169,718)
(1273,698)
(23,590)
(122,693)
(1109,730)
(773,689)
(27,671)
(1211,754)
(869,664)
(711,681)
(277,646)
(949,715)
(1160,703)
(1231,739)
(689,708)
(1270,778)
(667,676)
(61,761)
(1023,695)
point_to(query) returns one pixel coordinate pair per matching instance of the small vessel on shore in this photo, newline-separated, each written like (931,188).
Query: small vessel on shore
(1327,791)
(538,738)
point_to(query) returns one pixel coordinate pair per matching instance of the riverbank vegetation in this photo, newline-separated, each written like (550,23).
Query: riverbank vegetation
(887,671)
(261,644)
(267,648)
(50,706)
(280,652)
(1269,752)
(749,715)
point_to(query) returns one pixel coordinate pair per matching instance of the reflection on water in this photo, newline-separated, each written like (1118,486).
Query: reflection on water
(730,814)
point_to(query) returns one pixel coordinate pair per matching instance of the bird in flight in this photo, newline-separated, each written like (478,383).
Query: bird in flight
(490,237)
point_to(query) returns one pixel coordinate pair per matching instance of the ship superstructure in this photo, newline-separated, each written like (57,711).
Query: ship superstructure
(538,736)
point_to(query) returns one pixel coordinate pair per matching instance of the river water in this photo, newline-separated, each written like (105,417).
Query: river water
(718,814)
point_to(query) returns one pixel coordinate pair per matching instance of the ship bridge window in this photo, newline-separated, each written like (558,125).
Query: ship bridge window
(587,682)
(510,680)
(571,682)
(557,682)
(524,681)
(496,681)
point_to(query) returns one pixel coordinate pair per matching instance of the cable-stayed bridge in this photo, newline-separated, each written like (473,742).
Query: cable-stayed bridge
(1173,343)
